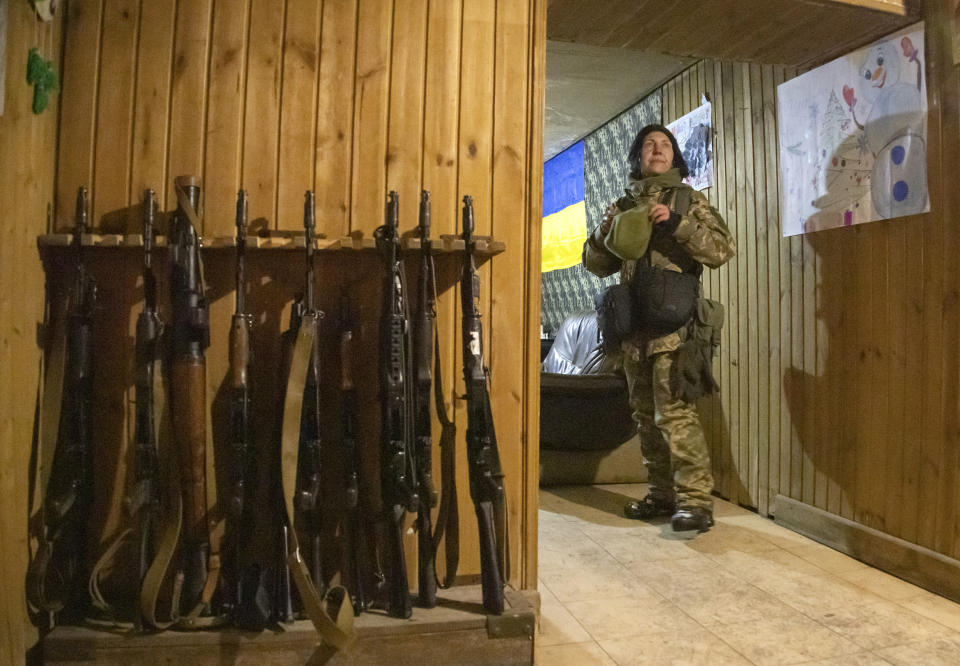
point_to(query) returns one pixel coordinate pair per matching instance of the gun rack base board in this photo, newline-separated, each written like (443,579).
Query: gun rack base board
(456,631)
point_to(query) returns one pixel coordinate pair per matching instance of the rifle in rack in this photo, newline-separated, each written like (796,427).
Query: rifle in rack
(349,457)
(143,503)
(240,438)
(189,337)
(397,476)
(308,494)
(300,470)
(66,444)
(423,333)
(483,457)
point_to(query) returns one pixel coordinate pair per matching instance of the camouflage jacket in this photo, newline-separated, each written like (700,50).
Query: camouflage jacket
(699,238)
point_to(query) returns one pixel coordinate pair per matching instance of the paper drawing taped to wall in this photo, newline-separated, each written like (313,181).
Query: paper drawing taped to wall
(694,133)
(853,137)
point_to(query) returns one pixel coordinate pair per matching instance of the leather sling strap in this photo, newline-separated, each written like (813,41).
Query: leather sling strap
(48,426)
(337,633)
(448,522)
(166,547)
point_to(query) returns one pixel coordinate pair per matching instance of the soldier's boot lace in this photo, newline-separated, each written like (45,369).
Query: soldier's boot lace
(651,506)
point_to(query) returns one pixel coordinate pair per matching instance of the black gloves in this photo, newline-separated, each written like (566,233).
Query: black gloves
(668,226)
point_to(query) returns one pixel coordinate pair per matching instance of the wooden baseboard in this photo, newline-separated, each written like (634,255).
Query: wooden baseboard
(918,565)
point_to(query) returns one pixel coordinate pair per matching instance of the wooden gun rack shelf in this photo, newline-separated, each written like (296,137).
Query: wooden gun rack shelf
(485,246)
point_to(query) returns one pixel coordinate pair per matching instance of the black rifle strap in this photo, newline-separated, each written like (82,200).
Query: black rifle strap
(448,519)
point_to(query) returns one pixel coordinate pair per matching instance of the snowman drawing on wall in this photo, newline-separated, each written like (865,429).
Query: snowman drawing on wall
(890,105)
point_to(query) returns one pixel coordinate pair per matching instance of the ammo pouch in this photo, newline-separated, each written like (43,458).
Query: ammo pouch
(615,315)
(665,300)
(691,375)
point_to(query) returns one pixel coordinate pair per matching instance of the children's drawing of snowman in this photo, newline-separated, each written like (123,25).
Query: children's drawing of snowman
(894,129)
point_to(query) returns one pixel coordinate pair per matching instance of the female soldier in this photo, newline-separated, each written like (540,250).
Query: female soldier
(682,233)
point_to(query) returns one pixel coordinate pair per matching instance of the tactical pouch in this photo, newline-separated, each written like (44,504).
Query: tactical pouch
(615,315)
(665,300)
(708,323)
(691,375)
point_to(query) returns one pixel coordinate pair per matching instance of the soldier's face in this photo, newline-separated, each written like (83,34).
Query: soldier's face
(656,154)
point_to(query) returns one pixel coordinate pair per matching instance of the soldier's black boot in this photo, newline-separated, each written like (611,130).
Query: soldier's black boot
(651,506)
(697,518)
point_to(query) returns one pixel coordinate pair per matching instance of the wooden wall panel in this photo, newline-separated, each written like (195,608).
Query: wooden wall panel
(27,167)
(350,99)
(370,114)
(151,109)
(225,113)
(406,119)
(115,107)
(79,80)
(839,360)
(475,163)
(189,91)
(298,111)
(262,114)
(335,102)
(440,133)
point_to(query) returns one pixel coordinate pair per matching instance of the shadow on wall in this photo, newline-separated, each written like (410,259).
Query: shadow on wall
(728,482)
(837,402)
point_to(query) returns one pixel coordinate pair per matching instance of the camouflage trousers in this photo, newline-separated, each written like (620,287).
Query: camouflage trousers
(671,437)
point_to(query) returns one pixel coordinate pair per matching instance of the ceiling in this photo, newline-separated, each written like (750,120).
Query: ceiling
(588,85)
(604,55)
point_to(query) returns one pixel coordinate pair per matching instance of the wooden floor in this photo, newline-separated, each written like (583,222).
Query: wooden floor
(619,591)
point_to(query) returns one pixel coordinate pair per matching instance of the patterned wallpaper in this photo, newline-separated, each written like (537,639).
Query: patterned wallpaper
(605,171)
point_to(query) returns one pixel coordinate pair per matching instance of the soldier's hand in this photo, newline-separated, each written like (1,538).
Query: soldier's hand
(607,218)
(659,213)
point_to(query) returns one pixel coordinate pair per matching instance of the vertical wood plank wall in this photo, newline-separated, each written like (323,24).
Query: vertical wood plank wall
(839,365)
(350,99)
(27,149)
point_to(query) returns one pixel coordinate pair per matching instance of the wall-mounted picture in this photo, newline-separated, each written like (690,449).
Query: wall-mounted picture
(853,137)
(694,133)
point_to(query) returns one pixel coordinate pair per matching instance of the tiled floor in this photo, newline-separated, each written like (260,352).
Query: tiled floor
(619,591)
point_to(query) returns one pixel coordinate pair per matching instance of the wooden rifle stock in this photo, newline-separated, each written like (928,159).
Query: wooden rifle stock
(486,477)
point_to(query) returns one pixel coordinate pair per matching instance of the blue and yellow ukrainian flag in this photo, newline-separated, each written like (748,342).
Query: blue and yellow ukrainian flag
(564,210)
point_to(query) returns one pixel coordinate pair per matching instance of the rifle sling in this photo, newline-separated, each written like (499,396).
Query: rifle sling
(337,633)
(447,515)
(173,502)
(51,402)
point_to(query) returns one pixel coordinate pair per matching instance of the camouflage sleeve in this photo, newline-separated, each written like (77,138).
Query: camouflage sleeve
(704,235)
(597,258)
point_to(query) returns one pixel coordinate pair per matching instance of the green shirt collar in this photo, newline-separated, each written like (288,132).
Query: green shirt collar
(651,184)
